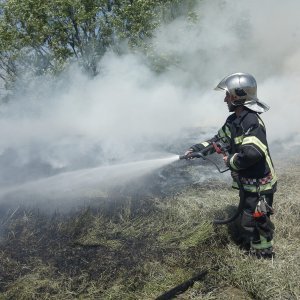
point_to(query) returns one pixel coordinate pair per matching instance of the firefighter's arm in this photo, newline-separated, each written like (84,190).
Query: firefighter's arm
(205,147)
(251,150)
(248,156)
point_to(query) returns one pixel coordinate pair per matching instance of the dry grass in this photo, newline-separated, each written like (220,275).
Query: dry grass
(133,248)
(277,279)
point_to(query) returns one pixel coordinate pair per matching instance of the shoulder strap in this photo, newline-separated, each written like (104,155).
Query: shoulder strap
(260,121)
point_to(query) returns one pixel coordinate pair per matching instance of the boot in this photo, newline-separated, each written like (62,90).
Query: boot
(262,248)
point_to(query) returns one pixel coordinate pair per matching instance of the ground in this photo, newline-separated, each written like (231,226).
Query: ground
(130,245)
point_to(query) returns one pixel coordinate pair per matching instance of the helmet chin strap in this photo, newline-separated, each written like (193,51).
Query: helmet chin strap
(232,106)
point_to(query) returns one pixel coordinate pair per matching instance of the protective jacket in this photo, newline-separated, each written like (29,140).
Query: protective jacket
(248,152)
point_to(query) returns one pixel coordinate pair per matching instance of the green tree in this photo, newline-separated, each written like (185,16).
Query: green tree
(43,36)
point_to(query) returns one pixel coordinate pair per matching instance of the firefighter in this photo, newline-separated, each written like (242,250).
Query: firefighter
(249,160)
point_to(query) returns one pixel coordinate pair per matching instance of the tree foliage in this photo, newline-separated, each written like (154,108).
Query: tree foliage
(43,36)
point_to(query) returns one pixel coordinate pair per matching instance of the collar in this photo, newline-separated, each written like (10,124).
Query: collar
(238,119)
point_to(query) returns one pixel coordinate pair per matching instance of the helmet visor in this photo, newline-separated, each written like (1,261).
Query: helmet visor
(221,86)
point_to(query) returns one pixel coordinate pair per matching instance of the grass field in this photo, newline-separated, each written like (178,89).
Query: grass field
(137,247)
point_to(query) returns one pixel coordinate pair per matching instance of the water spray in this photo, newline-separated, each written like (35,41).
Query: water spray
(62,191)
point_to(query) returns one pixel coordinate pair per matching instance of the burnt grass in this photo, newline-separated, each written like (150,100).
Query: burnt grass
(114,241)
(140,240)
(31,238)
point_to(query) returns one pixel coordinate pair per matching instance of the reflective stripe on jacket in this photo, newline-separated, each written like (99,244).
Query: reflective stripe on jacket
(249,151)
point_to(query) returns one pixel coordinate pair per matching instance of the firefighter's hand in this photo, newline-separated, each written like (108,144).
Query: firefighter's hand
(188,152)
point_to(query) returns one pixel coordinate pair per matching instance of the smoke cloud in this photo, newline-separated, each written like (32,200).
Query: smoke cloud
(261,38)
(76,122)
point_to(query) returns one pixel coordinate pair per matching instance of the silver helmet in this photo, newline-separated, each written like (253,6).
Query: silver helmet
(243,89)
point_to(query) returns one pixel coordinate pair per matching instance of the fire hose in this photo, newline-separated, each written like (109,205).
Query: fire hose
(220,148)
(181,288)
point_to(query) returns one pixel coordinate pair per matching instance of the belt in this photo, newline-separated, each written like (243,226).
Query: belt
(255,181)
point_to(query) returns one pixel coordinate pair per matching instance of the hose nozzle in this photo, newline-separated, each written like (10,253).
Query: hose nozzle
(191,155)
(183,156)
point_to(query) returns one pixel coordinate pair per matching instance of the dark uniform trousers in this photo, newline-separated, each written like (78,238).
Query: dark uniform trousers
(252,228)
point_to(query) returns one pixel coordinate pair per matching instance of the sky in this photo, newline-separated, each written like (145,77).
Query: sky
(129,111)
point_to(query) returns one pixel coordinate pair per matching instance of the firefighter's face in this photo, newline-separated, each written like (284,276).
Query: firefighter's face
(228,99)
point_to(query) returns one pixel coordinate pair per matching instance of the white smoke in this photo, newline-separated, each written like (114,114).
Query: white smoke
(258,37)
(76,122)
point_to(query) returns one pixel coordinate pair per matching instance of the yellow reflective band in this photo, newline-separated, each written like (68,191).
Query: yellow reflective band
(264,244)
(221,133)
(227,131)
(260,121)
(268,159)
(232,164)
(205,144)
(238,139)
(254,140)
(253,189)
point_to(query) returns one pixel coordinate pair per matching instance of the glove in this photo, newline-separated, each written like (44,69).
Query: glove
(188,152)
